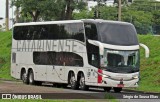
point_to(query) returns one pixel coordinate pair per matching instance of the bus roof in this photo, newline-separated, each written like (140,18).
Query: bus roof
(48,22)
(106,21)
(73,21)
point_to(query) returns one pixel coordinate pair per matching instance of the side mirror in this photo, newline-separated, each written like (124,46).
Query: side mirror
(146,50)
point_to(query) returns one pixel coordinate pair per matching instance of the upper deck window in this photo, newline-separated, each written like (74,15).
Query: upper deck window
(91,31)
(117,34)
(49,32)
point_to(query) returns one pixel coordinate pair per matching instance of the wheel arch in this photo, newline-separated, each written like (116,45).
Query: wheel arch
(30,69)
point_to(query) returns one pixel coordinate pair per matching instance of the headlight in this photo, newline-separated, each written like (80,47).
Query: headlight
(106,76)
(135,77)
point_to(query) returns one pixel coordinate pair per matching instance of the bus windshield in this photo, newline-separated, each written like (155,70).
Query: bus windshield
(120,61)
(117,34)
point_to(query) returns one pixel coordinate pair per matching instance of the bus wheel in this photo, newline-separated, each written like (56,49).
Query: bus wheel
(31,78)
(24,77)
(82,83)
(117,89)
(73,81)
(107,89)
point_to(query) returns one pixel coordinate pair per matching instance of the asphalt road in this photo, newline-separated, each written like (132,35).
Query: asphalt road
(18,90)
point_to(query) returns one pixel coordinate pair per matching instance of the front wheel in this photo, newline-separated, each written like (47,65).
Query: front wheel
(117,89)
(82,84)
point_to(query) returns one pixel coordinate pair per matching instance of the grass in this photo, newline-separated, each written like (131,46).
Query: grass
(150,67)
(149,70)
(5,50)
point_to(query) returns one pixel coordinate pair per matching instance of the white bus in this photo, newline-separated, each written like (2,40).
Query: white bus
(80,53)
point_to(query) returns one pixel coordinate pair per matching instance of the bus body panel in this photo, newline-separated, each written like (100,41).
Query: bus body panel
(25,53)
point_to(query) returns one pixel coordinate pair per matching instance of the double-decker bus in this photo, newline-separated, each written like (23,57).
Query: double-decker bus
(80,53)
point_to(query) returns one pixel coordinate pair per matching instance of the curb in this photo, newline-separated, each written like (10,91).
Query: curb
(143,92)
(1,79)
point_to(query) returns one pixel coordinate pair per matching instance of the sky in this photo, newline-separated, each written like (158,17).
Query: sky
(2,9)
(2,13)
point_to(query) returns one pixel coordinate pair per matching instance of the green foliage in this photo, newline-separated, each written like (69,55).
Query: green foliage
(37,9)
(85,14)
(156,21)
(47,9)
(141,20)
(109,96)
(5,45)
(109,13)
(150,69)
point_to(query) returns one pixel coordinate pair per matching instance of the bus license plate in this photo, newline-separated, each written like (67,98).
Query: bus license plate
(120,85)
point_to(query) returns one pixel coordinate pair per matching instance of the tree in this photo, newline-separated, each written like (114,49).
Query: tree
(48,9)
(84,14)
(156,21)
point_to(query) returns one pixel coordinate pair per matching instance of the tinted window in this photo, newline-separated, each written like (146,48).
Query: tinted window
(13,57)
(57,58)
(117,34)
(52,31)
(91,31)
(40,58)
(93,55)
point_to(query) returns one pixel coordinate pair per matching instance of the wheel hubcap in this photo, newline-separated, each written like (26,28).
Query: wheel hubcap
(82,82)
(30,78)
(24,77)
(72,81)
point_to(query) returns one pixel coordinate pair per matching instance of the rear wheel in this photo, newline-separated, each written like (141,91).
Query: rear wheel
(24,77)
(117,89)
(82,84)
(72,81)
(107,89)
(31,78)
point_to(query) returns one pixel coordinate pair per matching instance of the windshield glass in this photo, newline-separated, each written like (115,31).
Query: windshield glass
(120,61)
(117,33)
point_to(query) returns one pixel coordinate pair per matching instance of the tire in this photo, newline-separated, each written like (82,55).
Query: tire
(24,77)
(73,82)
(117,89)
(107,89)
(82,83)
(31,78)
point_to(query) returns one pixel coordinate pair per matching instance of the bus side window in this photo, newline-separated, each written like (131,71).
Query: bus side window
(91,31)
(13,57)
(43,33)
(93,55)
(53,31)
